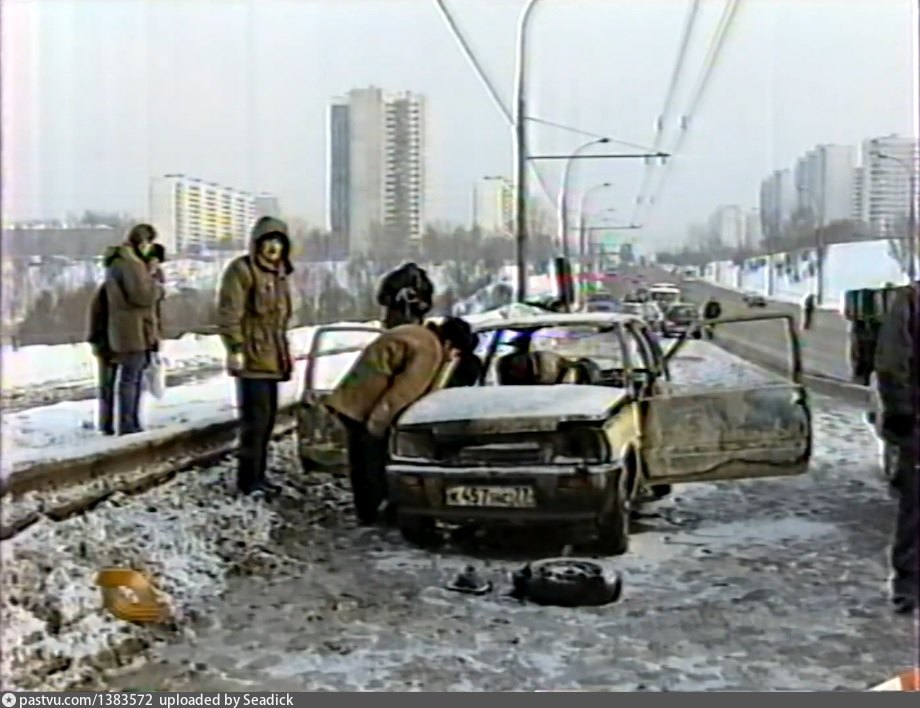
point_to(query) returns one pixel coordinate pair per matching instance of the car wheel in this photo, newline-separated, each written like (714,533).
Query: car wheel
(697,334)
(613,526)
(566,582)
(417,530)
(660,491)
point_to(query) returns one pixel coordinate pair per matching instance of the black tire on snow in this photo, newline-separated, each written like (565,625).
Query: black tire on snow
(566,582)
(417,530)
(613,526)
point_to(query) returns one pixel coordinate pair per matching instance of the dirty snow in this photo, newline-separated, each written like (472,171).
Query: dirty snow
(763,585)
(771,584)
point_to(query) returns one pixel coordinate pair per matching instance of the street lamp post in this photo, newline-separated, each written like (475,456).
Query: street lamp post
(911,213)
(581,219)
(563,206)
(520,151)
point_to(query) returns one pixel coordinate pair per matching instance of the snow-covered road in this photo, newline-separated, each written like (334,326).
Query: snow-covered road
(775,584)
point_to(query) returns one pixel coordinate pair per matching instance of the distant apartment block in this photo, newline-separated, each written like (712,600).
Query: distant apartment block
(887,165)
(376,167)
(858,200)
(191,214)
(492,206)
(824,183)
(777,202)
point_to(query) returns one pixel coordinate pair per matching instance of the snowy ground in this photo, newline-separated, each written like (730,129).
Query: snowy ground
(66,430)
(776,584)
(39,375)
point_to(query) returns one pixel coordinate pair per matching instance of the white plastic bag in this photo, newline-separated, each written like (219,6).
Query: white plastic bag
(155,376)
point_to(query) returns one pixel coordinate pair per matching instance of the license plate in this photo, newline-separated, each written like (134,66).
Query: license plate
(500,497)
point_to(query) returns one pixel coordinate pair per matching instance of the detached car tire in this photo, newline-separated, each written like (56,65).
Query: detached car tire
(566,582)
(613,526)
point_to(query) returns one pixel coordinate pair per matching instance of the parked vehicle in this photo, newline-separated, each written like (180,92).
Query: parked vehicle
(752,299)
(507,452)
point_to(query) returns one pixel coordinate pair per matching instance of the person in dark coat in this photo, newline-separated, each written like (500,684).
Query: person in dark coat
(131,294)
(808,310)
(469,366)
(106,366)
(253,311)
(406,294)
(896,368)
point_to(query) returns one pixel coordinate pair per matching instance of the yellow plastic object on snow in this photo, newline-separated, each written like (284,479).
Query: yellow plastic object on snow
(905,681)
(129,596)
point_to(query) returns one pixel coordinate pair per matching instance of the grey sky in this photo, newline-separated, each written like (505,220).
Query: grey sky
(101,94)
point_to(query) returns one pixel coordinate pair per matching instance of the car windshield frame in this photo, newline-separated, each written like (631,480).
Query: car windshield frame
(494,337)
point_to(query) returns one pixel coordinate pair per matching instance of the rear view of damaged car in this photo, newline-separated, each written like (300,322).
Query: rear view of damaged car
(511,454)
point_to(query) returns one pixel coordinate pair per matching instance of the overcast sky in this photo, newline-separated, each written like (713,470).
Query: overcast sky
(99,95)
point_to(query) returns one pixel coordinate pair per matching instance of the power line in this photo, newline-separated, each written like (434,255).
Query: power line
(484,79)
(689,23)
(589,134)
(715,47)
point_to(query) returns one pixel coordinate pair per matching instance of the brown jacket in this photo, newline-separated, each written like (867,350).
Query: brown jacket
(395,371)
(254,308)
(132,295)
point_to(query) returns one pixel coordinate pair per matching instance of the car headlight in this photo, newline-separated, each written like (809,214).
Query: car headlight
(412,445)
(583,444)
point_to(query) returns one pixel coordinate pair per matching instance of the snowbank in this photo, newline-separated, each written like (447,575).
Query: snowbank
(789,277)
(66,430)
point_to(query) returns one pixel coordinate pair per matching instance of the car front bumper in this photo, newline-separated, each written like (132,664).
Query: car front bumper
(562,493)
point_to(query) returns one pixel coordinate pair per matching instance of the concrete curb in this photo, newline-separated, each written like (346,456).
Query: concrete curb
(74,485)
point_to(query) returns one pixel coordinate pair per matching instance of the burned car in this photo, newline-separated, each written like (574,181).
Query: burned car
(581,443)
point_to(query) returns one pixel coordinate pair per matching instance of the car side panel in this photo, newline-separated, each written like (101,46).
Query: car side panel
(734,434)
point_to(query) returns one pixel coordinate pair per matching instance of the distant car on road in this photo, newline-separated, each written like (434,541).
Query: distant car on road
(648,311)
(752,299)
(679,319)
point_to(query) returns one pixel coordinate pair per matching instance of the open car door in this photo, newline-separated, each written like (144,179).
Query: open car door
(721,430)
(320,438)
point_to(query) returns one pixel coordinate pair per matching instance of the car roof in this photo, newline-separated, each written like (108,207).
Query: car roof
(557,320)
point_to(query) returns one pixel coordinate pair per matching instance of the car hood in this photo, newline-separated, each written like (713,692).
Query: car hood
(514,407)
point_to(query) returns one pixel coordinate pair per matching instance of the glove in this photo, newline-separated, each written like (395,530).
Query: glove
(897,425)
(235,363)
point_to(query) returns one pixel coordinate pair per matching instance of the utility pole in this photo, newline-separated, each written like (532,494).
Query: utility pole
(520,152)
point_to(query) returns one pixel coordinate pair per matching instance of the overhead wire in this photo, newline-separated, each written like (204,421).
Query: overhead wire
(720,35)
(467,50)
(589,134)
(686,35)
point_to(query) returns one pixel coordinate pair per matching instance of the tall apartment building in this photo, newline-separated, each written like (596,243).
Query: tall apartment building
(777,202)
(887,164)
(858,199)
(192,214)
(824,183)
(728,222)
(376,167)
(492,206)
